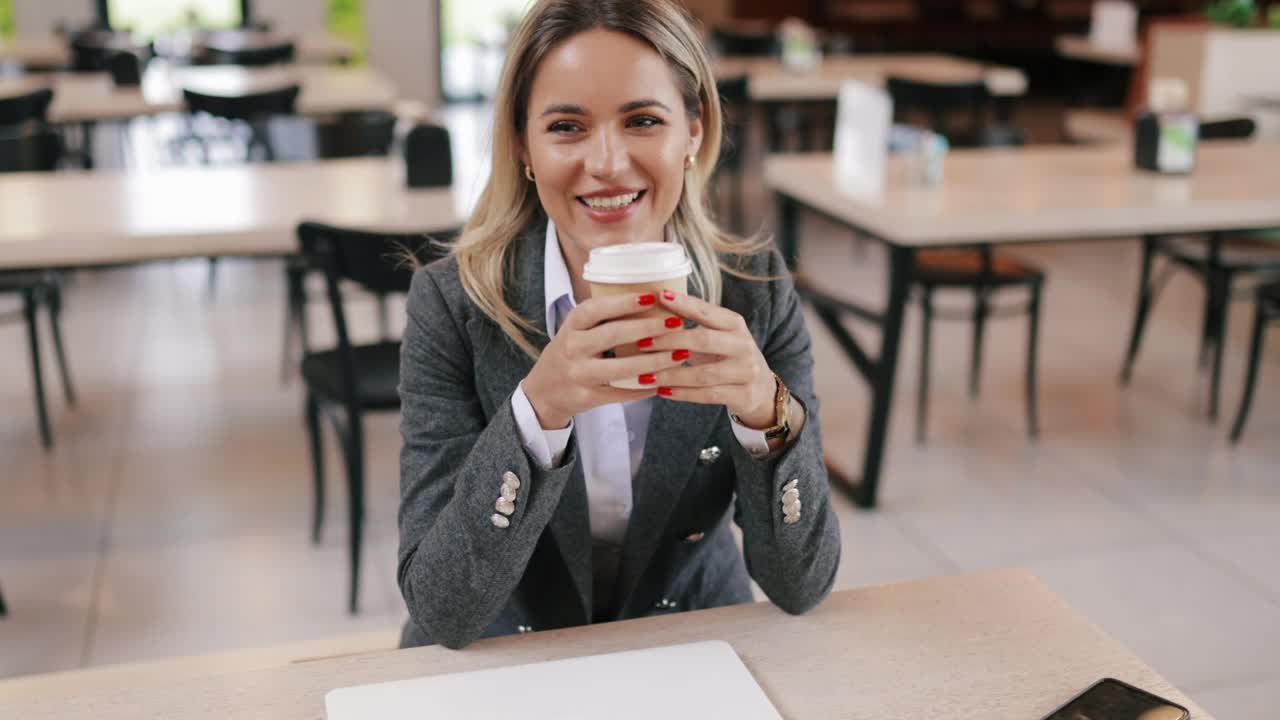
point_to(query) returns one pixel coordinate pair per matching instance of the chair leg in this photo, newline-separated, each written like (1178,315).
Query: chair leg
(55,326)
(980,311)
(1251,375)
(922,392)
(294,320)
(1145,300)
(312,411)
(1033,342)
(4,609)
(1221,283)
(33,340)
(355,501)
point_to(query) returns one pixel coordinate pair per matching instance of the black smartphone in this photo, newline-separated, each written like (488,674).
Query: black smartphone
(1110,699)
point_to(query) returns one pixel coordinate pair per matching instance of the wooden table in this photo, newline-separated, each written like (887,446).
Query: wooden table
(773,86)
(89,97)
(1078,47)
(993,645)
(769,81)
(83,219)
(1008,196)
(53,51)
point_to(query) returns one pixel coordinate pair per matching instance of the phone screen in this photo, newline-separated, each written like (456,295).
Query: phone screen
(1113,700)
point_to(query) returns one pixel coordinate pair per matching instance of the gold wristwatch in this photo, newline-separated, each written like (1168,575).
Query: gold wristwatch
(781,413)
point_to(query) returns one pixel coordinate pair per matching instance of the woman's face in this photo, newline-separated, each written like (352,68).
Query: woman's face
(607,137)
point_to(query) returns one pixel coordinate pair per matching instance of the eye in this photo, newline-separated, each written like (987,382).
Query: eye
(563,127)
(644,121)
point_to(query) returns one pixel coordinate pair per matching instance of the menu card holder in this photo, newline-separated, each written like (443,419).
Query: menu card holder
(863,116)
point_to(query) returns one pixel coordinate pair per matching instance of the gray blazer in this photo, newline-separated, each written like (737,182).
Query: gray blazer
(464,578)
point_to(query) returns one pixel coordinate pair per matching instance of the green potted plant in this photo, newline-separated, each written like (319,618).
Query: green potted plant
(1233,13)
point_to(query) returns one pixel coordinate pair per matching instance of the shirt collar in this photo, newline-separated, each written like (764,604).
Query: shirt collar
(555,275)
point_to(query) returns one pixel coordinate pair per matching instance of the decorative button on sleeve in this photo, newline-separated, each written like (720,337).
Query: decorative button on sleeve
(791,502)
(506,502)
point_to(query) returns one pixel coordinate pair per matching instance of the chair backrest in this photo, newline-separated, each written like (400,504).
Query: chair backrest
(356,134)
(733,42)
(937,100)
(125,68)
(251,56)
(250,107)
(1228,129)
(428,157)
(382,263)
(37,151)
(22,109)
(91,50)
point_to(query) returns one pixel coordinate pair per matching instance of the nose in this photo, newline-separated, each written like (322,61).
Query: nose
(607,155)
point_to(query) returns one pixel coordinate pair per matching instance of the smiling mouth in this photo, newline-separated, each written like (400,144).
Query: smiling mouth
(615,202)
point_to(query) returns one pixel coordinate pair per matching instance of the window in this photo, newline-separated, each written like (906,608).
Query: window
(473,43)
(149,18)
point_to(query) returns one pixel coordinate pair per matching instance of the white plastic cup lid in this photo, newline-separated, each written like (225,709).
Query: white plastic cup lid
(636,263)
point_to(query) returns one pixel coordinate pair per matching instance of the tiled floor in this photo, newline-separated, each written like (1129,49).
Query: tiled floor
(172,517)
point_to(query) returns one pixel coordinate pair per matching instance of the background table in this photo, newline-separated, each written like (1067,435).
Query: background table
(768,80)
(1009,196)
(87,97)
(992,645)
(75,218)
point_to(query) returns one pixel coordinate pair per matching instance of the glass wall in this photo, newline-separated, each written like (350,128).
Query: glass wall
(473,42)
(149,18)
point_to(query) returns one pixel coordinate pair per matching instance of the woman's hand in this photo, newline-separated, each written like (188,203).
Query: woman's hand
(571,375)
(726,367)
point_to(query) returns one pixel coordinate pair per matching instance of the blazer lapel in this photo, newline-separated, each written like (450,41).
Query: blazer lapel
(677,431)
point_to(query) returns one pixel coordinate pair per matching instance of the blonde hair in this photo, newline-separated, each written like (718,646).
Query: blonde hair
(509,202)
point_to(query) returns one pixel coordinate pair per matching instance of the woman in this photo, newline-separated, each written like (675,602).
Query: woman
(533,494)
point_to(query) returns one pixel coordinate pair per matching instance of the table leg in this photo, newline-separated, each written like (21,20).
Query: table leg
(86,143)
(884,375)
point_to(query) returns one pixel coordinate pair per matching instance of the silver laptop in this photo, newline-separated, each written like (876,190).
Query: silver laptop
(696,681)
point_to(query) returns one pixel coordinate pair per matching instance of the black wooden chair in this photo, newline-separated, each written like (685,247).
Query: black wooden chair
(18,111)
(27,151)
(1266,312)
(254,110)
(354,134)
(259,56)
(350,380)
(942,104)
(980,270)
(1217,261)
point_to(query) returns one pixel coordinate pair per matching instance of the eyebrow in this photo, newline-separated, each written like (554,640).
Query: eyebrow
(564,109)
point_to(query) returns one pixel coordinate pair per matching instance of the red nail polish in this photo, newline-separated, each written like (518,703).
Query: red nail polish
(668,295)
(648,299)
(673,322)
(664,391)
(644,343)
(680,355)
(648,379)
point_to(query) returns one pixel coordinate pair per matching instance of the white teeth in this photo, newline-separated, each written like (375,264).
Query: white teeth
(611,203)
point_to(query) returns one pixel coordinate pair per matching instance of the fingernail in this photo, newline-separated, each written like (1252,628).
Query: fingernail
(664,391)
(668,295)
(644,343)
(648,299)
(648,379)
(673,322)
(679,355)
